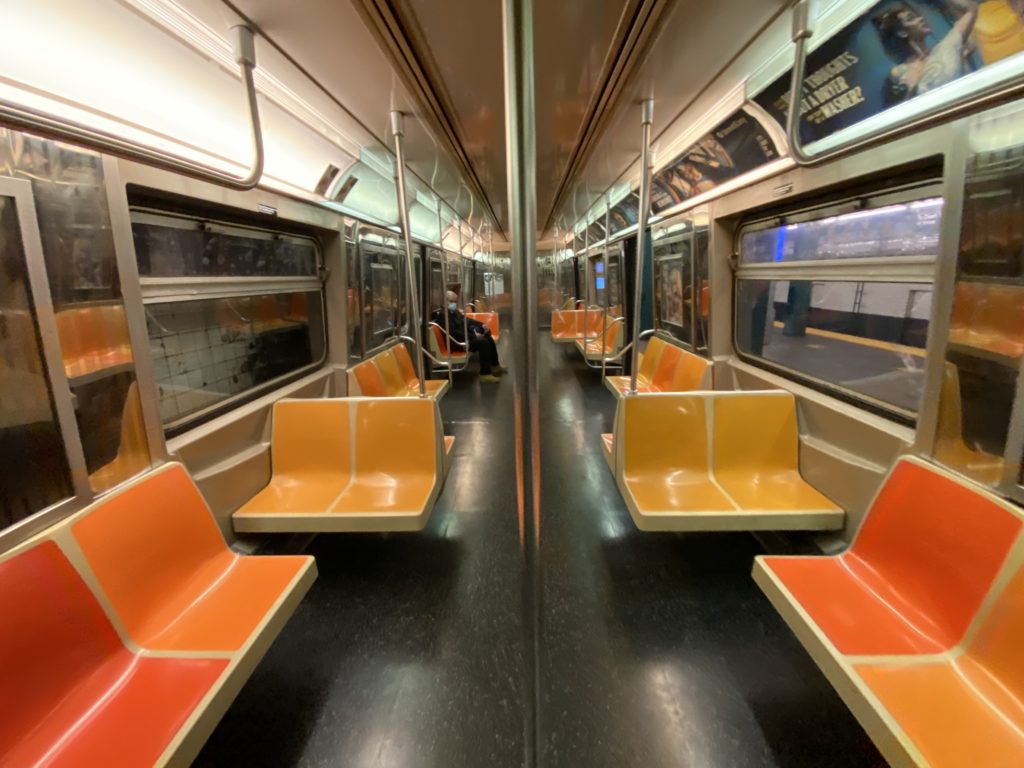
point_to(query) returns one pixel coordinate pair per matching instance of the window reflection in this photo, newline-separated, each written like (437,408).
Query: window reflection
(78,249)
(986,333)
(35,471)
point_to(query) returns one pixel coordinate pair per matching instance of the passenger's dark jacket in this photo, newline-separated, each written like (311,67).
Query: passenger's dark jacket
(455,324)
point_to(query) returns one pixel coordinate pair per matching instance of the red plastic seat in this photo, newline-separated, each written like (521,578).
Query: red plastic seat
(922,563)
(71,694)
(163,564)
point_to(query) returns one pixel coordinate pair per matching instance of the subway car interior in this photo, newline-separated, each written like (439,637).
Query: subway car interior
(512,384)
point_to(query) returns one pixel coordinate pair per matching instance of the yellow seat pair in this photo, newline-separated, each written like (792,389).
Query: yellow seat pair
(352,464)
(664,367)
(600,339)
(714,461)
(390,373)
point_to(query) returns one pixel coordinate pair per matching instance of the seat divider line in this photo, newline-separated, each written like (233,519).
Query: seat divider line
(709,416)
(351,456)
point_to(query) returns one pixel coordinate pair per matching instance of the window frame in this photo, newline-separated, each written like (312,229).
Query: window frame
(81,492)
(180,290)
(679,228)
(915,269)
(391,244)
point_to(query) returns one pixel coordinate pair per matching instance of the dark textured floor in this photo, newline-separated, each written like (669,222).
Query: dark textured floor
(656,650)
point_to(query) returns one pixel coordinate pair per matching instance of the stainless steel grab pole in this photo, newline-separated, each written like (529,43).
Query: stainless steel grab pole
(641,234)
(37,121)
(444,292)
(398,129)
(607,285)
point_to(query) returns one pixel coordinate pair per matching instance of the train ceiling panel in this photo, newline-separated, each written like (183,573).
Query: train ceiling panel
(702,54)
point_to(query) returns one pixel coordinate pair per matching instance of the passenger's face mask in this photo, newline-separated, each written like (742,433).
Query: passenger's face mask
(452,306)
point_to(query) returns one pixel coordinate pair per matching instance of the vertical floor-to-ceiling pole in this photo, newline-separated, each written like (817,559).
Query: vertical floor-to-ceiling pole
(641,236)
(398,129)
(520,154)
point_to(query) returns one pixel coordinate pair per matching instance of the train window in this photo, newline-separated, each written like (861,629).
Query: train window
(92,328)
(382,259)
(841,297)
(35,469)
(209,351)
(986,335)
(173,247)
(230,311)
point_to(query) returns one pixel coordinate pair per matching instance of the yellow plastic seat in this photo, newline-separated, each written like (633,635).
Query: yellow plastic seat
(434,388)
(714,461)
(755,443)
(394,383)
(603,339)
(664,477)
(353,464)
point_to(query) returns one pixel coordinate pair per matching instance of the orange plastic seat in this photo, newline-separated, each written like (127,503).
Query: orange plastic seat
(395,384)
(369,380)
(439,342)
(919,624)
(676,370)
(490,321)
(564,325)
(161,560)
(93,339)
(968,710)
(912,580)
(354,464)
(71,693)
(715,461)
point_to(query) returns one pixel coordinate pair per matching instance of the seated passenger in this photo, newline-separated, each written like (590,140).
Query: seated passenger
(480,340)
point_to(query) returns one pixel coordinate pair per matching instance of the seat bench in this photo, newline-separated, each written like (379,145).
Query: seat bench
(919,624)
(352,464)
(665,367)
(568,325)
(130,627)
(391,373)
(714,461)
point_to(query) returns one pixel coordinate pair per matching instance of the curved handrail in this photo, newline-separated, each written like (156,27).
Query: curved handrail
(624,350)
(801,33)
(614,320)
(37,121)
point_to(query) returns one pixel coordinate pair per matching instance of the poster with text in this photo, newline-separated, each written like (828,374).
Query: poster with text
(896,50)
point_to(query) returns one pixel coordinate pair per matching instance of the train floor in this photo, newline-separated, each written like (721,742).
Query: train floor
(653,649)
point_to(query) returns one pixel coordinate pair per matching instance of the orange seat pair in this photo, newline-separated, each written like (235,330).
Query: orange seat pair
(665,367)
(919,624)
(570,325)
(143,568)
(601,341)
(715,461)
(350,464)
(442,350)
(93,339)
(390,373)
(989,316)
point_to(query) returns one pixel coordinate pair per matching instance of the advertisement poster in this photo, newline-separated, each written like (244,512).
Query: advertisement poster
(625,213)
(895,51)
(736,145)
(672,296)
